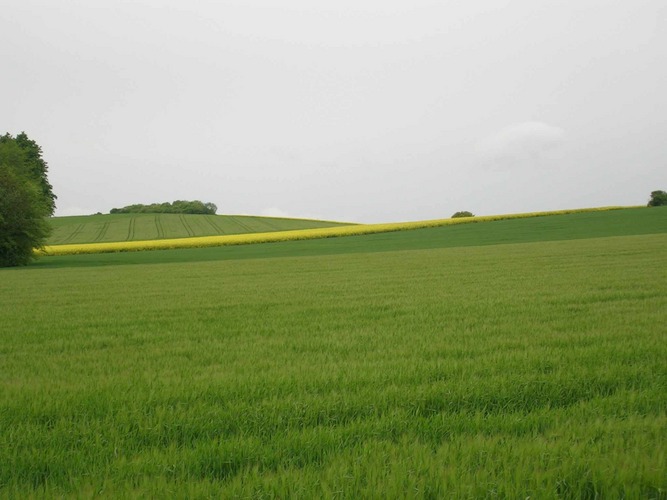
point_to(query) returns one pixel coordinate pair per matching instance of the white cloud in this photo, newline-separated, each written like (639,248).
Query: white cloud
(529,143)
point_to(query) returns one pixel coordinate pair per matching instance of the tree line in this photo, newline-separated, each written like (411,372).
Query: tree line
(26,199)
(176,207)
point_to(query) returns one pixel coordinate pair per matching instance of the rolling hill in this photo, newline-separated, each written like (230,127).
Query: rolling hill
(135,227)
(511,358)
(507,228)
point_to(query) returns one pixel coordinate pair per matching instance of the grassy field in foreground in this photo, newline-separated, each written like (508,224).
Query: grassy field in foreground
(523,369)
(133,227)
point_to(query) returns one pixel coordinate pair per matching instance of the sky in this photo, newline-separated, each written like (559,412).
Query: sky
(349,110)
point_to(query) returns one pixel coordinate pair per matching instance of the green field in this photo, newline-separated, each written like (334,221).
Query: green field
(133,227)
(632,221)
(502,360)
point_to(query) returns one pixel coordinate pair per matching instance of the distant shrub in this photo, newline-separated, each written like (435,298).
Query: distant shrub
(658,199)
(462,214)
(177,207)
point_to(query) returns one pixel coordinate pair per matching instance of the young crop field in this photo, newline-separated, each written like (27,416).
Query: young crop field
(508,359)
(133,227)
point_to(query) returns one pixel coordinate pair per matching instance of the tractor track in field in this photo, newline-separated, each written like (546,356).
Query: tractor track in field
(74,233)
(243,225)
(264,226)
(218,229)
(159,228)
(131,228)
(187,227)
(102,232)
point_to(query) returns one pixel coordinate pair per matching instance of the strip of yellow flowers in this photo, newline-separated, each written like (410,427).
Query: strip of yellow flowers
(300,234)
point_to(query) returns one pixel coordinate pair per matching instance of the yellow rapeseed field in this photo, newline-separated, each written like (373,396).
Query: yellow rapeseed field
(301,234)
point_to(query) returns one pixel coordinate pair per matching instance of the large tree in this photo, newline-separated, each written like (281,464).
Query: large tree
(26,199)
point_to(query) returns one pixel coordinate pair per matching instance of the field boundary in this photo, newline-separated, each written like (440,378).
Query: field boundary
(290,235)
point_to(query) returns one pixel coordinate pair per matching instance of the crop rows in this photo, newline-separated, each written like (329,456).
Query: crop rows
(130,227)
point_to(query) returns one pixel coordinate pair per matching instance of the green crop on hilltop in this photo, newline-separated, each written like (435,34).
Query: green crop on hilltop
(380,367)
(133,227)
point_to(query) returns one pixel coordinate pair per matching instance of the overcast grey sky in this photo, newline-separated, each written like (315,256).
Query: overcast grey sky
(357,110)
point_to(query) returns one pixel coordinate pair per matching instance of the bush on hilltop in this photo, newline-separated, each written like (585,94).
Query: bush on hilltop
(177,207)
(464,213)
(658,199)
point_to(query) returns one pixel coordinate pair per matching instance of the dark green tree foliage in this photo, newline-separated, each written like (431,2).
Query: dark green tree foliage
(462,214)
(658,199)
(26,200)
(177,207)
(31,164)
(38,168)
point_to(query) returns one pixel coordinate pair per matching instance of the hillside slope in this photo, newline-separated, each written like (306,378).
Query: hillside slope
(133,227)
(602,224)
